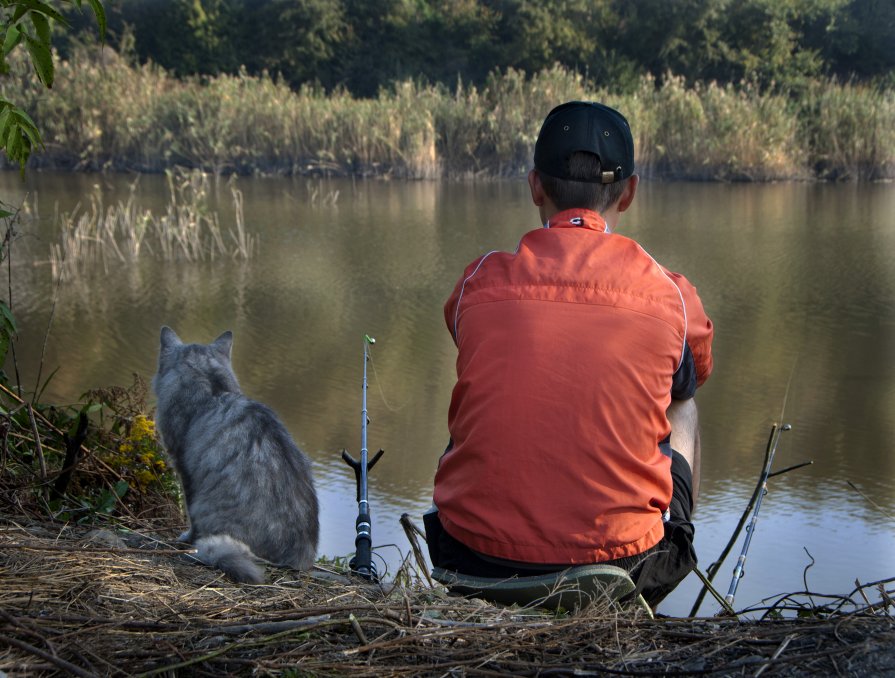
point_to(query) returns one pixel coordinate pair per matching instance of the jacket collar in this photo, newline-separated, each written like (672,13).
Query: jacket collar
(579,218)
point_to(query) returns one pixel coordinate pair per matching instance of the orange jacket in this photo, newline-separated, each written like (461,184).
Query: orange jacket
(566,353)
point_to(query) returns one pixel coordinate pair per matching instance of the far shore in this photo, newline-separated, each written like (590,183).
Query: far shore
(105,114)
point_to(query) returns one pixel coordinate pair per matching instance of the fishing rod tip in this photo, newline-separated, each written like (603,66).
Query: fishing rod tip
(369,339)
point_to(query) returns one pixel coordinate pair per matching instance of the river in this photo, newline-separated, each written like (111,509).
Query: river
(798,277)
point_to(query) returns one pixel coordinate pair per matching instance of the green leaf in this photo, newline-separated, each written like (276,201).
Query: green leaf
(27,126)
(42,59)
(18,133)
(41,27)
(7,319)
(46,383)
(5,117)
(12,40)
(14,142)
(100,13)
(106,502)
(121,488)
(35,6)
(21,10)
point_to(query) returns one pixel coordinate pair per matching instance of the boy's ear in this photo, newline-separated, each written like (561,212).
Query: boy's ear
(627,196)
(538,196)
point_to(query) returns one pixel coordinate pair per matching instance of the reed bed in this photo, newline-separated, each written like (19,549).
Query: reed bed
(114,595)
(188,231)
(106,114)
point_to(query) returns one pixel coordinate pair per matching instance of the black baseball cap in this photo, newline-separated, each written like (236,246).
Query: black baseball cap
(590,127)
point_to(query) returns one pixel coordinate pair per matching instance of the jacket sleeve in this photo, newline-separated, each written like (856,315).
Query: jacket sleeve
(699,328)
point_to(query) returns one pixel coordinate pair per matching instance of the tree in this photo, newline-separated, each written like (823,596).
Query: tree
(30,23)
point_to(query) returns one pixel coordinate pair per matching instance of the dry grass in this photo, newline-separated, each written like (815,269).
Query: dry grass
(71,603)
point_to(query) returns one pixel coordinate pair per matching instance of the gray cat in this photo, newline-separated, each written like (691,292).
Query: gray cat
(248,488)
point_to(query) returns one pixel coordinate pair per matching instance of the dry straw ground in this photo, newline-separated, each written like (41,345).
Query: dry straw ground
(75,601)
(119,597)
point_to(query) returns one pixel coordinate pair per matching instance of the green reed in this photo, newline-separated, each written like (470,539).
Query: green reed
(104,113)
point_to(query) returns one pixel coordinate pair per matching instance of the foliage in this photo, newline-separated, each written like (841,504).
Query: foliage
(29,23)
(98,459)
(365,45)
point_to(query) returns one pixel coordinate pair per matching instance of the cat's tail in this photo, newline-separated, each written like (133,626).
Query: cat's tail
(231,556)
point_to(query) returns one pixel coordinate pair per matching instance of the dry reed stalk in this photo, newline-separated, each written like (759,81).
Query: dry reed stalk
(188,230)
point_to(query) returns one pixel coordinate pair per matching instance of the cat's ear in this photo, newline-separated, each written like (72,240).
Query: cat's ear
(223,344)
(169,338)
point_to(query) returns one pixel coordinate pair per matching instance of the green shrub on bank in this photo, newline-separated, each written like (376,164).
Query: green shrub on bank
(849,131)
(141,118)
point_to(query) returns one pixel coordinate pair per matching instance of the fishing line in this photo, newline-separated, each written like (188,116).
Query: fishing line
(792,372)
(382,397)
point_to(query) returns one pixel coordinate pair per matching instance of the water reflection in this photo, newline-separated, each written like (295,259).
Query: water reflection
(797,277)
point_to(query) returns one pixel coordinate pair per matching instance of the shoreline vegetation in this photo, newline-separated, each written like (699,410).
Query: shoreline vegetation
(106,114)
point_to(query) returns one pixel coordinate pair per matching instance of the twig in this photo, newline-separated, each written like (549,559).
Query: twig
(358,631)
(4,442)
(75,549)
(864,595)
(411,530)
(239,643)
(53,659)
(711,589)
(7,240)
(779,651)
(267,627)
(72,455)
(805,575)
(887,599)
(43,348)
(37,445)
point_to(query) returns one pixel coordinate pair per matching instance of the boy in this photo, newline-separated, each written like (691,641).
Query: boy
(573,428)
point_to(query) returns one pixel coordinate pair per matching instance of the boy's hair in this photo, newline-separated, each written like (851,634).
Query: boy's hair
(587,192)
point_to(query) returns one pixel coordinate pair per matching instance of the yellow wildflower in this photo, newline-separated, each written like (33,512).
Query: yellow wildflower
(142,428)
(143,478)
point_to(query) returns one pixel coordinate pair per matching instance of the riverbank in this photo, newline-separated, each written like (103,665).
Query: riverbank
(105,114)
(82,602)
(96,584)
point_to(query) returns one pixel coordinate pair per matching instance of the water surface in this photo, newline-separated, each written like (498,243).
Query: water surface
(798,278)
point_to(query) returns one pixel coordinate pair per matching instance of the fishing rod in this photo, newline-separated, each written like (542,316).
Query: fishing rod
(362,562)
(760,492)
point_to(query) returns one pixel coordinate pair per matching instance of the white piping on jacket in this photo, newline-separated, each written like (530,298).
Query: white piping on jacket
(463,289)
